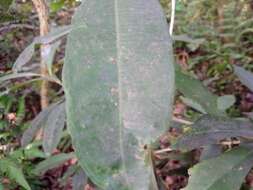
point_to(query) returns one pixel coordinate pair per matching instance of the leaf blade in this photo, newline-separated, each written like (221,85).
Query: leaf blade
(51,162)
(53,128)
(245,76)
(119,80)
(210,130)
(225,172)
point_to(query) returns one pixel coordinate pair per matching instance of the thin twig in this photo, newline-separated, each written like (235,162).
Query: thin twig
(43,14)
(163,150)
(182,121)
(172,18)
(14,26)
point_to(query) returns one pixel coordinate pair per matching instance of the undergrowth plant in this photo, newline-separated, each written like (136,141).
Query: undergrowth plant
(119,80)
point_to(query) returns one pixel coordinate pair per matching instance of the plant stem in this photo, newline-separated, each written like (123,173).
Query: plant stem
(43,13)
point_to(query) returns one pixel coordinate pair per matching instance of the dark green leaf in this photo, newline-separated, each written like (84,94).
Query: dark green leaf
(27,54)
(226,172)
(119,80)
(38,122)
(210,130)
(53,128)
(52,162)
(245,76)
(79,180)
(14,172)
(194,90)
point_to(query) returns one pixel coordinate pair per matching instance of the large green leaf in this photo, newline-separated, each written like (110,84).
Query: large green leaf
(119,80)
(210,130)
(226,172)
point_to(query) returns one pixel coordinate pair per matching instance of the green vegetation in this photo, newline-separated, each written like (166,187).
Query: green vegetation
(93,93)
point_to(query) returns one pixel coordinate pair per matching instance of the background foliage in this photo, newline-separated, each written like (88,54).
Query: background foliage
(211,37)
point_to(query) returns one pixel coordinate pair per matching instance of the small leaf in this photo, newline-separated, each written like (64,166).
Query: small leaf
(18,75)
(79,180)
(210,130)
(53,128)
(37,123)
(56,5)
(71,170)
(193,104)
(14,172)
(222,173)
(24,57)
(56,34)
(187,39)
(245,76)
(210,151)
(225,102)
(193,89)
(27,54)
(50,55)
(27,74)
(52,162)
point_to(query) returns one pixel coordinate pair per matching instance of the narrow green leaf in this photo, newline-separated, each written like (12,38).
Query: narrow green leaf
(52,162)
(210,130)
(24,57)
(56,34)
(222,173)
(193,104)
(53,128)
(38,122)
(225,102)
(50,55)
(18,75)
(28,74)
(79,180)
(193,89)
(27,54)
(119,81)
(245,76)
(14,172)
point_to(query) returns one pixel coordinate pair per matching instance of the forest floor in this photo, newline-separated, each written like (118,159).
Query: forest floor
(16,35)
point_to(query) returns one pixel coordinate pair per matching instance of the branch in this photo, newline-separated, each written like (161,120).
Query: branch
(43,14)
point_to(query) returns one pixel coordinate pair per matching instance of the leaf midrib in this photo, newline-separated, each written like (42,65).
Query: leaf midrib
(117,29)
